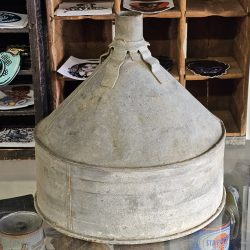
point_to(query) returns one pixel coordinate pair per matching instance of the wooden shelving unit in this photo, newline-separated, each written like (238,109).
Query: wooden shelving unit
(32,72)
(194,29)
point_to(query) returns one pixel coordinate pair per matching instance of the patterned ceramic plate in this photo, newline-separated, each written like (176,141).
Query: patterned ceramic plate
(9,17)
(148,6)
(208,68)
(16,96)
(16,137)
(82,70)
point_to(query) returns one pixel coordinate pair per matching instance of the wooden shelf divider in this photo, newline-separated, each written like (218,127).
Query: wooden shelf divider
(16,112)
(9,30)
(165,14)
(175,13)
(94,17)
(17,153)
(25,72)
(174,72)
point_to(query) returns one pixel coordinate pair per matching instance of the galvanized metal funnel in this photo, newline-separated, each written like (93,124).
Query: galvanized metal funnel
(130,156)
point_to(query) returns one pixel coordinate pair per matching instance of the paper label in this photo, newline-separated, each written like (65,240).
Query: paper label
(212,239)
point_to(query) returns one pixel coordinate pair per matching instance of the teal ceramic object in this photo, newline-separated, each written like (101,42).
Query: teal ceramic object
(9,67)
(2,67)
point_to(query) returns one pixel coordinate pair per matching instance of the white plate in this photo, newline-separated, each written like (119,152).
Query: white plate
(15,97)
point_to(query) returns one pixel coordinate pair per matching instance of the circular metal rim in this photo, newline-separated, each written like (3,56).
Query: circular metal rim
(22,234)
(209,151)
(134,241)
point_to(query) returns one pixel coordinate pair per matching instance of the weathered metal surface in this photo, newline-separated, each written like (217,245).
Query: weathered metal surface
(21,231)
(57,241)
(130,156)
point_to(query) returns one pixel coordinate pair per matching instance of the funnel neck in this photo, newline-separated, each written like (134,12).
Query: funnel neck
(129,26)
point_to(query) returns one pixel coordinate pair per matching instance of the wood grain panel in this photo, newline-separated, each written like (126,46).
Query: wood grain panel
(225,8)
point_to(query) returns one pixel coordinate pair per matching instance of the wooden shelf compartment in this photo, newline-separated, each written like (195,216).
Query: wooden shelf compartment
(162,35)
(18,6)
(214,36)
(233,72)
(172,13)
(225,39)
(22,78)
(227,117)
(218,38)
(13,38)
(90,39)
(224,8)
(69,88)
(220,97)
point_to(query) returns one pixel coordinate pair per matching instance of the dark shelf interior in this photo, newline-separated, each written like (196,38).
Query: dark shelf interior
(30,110)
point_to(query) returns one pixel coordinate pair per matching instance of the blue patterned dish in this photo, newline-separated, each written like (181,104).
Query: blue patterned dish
(8,17)
(10,67)
(208,68)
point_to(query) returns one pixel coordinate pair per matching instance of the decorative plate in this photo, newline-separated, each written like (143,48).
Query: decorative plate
(78,69)
(16,137)
(8,17)
(148,6)
(13,20)
(208,68)
(82,70)
(10,67)
(16,96)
